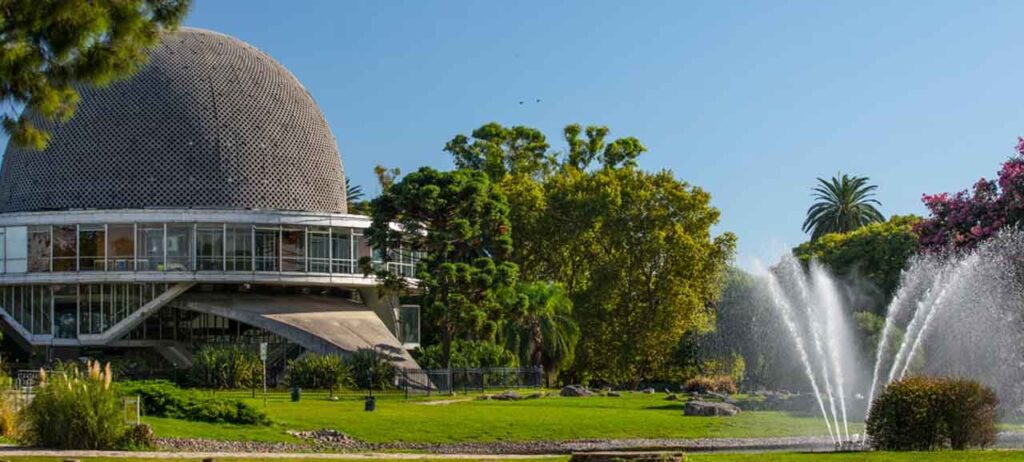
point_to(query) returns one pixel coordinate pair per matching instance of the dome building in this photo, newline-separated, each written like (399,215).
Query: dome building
(199,202)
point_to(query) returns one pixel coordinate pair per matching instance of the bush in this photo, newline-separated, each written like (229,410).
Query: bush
(927,413)
(717,384)
(468,354)
(9,424)
(319,372)
(226,368)
(372,369)
(139,437)
(71,410)
(164,399)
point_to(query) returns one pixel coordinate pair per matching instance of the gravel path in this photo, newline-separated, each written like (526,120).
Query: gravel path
(251,455)
(347,448)
(347,444)
(497,448)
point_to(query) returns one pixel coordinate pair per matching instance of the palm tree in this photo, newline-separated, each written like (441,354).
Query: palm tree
(542,331)
(352,192)
(842,205)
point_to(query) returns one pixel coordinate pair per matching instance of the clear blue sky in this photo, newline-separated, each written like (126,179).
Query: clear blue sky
(749,100)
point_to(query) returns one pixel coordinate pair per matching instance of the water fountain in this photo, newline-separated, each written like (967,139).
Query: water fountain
(959,315)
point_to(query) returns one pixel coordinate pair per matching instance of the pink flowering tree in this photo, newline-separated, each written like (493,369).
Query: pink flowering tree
(961,220)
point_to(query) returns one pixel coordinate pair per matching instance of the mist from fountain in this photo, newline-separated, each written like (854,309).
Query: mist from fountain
(959,315)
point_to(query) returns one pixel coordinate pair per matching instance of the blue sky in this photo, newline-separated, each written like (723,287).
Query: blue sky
(749,100)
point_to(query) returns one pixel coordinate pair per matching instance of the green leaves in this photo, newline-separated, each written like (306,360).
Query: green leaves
(459,222)
(878,251)
(842,204)
(47,46)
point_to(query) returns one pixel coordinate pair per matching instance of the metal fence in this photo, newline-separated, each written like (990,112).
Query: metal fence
(465,380)
(403,383)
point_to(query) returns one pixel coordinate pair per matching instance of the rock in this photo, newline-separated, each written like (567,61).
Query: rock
(325,435)
(612,394)
(575,390)
(672,397)
(647,391)
(535,395)
(483,397)
(705,408)
(507,396)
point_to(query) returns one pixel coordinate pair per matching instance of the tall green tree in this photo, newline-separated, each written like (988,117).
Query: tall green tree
(841,205)
(633,249)
(650,269)
(876,253)
(458,221)
(48,46)
(542,331)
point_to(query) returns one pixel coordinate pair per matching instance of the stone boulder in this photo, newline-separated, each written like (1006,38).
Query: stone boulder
(709,409)
(575,390)
(507,396)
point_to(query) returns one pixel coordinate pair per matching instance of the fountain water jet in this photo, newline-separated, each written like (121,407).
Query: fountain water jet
(971,301)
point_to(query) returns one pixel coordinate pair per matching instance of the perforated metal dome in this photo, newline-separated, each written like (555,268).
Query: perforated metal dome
(209,122)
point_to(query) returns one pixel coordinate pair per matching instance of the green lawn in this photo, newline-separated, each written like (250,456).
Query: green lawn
(551,418)
(948,456)
(942,456)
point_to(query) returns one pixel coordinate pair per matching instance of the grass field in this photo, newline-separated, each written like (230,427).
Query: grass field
(551,418)
(949,456)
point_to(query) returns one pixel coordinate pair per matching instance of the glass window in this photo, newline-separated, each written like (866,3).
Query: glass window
(120,247)
(40,300)
(65,311)
(39,249)
(91,308)
(341,248)
(65,248)
(151,247)
(239,248)
(179,247)
(293,249)
(319,250)
(409,324)
(267,247)
(210,247)
(16,248)
(363,249)
(91,247)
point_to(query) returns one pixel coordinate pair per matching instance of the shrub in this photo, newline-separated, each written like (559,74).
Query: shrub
(9,424)
(226,367)
(71,410)
(717,384)
(139,437)
(319,372)
(468,354)
(927,413)
(372,369)
(164,399)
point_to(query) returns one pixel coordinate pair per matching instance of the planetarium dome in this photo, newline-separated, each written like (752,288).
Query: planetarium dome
(209,122)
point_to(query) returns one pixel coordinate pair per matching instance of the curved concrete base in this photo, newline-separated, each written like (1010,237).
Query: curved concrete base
(317,323)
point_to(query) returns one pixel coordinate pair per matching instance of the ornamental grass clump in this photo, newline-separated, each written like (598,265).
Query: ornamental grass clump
(929,413)
(9,423)
(716,384)
(75,410)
